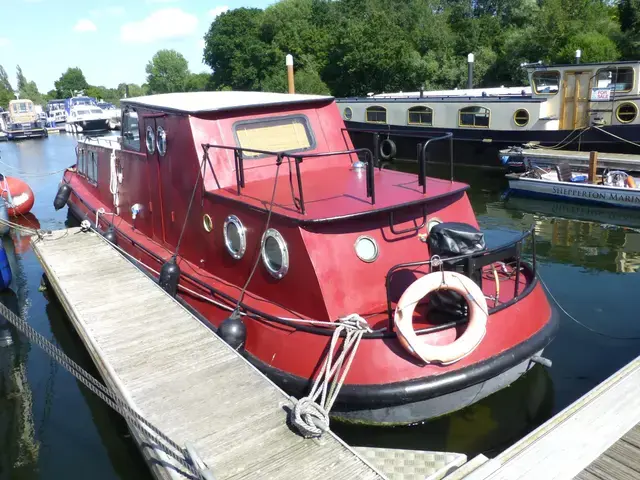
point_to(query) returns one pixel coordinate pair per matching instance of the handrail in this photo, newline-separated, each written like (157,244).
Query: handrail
(504,248)
(422,154)
(238,156)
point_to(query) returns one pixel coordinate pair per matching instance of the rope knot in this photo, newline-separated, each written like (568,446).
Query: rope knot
(310,419)
(355,321)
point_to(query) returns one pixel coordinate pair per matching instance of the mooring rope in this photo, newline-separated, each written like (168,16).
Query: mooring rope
(309,416)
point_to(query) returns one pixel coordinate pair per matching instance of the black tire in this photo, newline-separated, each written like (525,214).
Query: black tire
(388,149)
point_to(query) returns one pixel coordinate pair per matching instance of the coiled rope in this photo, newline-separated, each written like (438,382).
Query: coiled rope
(309,416)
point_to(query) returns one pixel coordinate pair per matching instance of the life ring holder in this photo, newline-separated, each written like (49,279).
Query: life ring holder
(470,338)
(387,149)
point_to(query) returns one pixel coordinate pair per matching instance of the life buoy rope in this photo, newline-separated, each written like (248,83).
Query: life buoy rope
(470,338)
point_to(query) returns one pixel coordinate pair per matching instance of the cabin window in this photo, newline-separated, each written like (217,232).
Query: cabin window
(615,79)
(521,117)
(281,134)
(477,117)
(161,141)
(626,112)
(546,83)
(130,131)
(81,166)
(347,114)
(376,115)
(420,116)
(92,167)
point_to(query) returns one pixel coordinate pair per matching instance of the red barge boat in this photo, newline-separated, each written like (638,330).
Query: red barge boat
(267,211)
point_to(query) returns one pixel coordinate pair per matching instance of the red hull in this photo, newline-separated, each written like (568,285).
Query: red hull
(325,279)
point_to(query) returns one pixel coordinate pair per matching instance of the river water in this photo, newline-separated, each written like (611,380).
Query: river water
(52,428)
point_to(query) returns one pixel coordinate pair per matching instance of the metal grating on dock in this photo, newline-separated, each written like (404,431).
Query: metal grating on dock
(595,438)
(179,375)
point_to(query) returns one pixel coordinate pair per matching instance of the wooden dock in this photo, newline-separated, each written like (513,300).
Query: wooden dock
(577,159)
(595,438)
(179,375)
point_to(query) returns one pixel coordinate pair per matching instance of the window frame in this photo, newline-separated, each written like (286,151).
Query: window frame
(542,72)
(382,109)
(126,144)
(633,77)
(424,109)
(256,121)
(460,113)
(626,122)
(525,123)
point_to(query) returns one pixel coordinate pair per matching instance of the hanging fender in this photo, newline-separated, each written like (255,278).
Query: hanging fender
(388,149)
(470,338)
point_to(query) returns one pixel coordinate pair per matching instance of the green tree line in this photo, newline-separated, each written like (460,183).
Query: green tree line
(351,47)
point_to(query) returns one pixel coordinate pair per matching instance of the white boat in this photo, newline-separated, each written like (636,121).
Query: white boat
(616,188)
(113,112)
(86,118)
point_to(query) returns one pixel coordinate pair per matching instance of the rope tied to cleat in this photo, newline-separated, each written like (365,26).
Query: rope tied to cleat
(310,416)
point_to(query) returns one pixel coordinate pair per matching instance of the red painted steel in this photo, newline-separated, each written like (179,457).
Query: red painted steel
(326,279)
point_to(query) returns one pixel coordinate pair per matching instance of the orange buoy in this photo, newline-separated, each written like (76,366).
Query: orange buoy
(17,194)
(630,181)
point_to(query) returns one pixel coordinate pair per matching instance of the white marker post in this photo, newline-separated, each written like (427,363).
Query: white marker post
(289,62)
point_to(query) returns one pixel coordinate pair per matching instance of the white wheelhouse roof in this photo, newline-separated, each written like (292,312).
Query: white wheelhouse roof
(205,102)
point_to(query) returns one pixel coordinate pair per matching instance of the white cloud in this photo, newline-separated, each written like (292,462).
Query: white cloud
(218,11)
(4,42)
(162,24)
(113,11)
(85,25)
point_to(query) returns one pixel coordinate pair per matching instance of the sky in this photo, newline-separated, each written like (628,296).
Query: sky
(110,40)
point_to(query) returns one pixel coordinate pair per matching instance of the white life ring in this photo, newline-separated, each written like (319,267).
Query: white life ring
(470,338)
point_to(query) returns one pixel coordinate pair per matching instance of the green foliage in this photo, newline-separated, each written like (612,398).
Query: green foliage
(197,82)
(356,46)
(70,83)
(22,82)
(128,90)
(167,72)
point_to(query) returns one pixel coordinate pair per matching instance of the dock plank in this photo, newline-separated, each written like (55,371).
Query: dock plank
(577,437)
(180,375)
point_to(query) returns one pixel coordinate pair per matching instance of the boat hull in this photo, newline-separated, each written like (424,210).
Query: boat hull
(481,147)
(389,404)
(575,192)
(96,125)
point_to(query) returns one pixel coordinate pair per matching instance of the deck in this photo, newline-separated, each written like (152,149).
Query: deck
(179,375)
(613,161)
(595,438)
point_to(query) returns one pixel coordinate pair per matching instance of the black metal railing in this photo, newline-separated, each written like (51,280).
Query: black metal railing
(509,253)
(239,157)
(423,153)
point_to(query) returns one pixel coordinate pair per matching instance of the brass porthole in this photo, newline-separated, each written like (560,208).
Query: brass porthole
(521,117)
(207,223)
(626,112)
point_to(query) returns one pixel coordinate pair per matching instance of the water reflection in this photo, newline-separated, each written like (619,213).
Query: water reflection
(19,452)
(488,426)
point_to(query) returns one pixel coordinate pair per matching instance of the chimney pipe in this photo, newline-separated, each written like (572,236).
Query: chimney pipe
(289,62)
(470,60)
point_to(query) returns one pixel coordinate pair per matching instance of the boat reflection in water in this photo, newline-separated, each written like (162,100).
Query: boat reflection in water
(19,455)
(596,237)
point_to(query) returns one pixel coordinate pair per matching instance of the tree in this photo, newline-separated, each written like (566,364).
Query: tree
(22,82)
(4,80)
(629,15)
(70,82)
(167,71)
(235,51)
(197,82)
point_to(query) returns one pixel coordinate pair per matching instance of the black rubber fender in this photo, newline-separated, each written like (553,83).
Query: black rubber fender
(388,149)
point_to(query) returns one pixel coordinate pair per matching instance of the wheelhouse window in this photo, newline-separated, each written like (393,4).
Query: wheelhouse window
(546,83)
(376,114)
(420,116)
(92,167)
(616,79)
(281,134)
(130,131)
(477,117)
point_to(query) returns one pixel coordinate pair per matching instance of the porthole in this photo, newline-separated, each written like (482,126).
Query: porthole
(151,140)
(366,248)
(347,114)
(627,112)
(432,223)
(521,117)
(275,254)
(162,141)
(235,237)
(207,223)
